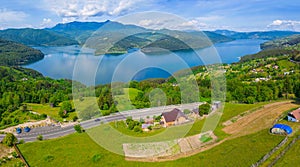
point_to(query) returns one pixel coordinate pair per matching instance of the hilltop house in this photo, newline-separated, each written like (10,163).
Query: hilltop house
(294,116)
(174,117)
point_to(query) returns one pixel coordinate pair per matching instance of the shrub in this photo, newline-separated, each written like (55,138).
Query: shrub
(137,129)
(78,128)
(49,158)
(96,157)
(10,140)
(39,137)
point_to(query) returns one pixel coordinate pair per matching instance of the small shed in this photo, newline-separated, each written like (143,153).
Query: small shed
(281,129)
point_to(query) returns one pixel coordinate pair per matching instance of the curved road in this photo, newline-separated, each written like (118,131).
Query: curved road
(50,132)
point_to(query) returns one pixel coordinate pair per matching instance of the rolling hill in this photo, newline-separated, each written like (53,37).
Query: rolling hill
(267,35)
(281,42)
(37,37)
(12,54)
(288,46)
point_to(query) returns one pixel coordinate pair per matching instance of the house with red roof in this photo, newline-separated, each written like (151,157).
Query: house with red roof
(294,116)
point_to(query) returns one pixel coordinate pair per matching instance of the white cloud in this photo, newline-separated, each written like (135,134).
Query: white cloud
(151,23)
(9,18)
(285,25)
(47,22)
(84,9)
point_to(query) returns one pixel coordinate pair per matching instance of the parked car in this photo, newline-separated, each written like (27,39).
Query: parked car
(96,120)
(27,129)
(18,130)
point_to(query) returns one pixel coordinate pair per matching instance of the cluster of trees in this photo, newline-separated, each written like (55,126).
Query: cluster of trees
(25,86)
(286,87)
(204,109)
(134,125)
(65,109)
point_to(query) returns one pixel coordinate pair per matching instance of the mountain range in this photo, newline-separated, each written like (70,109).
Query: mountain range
(266,35)
(111,37)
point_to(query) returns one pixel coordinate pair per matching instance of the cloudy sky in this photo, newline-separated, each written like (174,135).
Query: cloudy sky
(236,15)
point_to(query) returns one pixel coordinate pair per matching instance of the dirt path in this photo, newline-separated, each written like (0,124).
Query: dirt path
(258,120)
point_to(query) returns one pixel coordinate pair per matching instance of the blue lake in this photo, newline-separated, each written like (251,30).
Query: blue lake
(74,62)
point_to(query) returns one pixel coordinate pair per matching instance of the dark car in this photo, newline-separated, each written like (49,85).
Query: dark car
(18,130)
(27,129)
(96,120)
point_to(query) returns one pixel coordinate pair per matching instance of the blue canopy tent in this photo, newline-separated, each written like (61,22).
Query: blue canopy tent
(281,128)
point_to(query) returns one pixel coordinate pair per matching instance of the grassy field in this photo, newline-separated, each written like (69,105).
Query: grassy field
(291,158)
(286,64)
(80,150)
(232,109)
(124,101)
(46,109)
(121,127)
(16,162)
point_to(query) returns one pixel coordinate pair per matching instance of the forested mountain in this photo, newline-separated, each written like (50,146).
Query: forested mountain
(36,37)
(287,46)
(289,41)
(12,53)
(117,38)
(79,31)
(267,35)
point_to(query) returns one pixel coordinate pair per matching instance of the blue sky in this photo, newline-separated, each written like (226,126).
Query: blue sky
(239,15)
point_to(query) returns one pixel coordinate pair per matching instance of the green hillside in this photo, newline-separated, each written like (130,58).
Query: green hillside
(287,46)
(282,42)
(20,85)
(36,37)
(267,35)
(12,53)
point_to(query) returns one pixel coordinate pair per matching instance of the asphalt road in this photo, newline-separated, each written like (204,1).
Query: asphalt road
(50,132)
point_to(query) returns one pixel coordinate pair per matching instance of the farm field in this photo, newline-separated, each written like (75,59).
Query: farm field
(80,150)
(258,120)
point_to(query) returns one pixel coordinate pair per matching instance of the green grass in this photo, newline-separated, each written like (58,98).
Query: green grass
(205,138)
(121,127)
(231,109)
(51,111)
(79,150)
(18,117)
(291,157)
(124,101)
(285,64)
(16,162)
